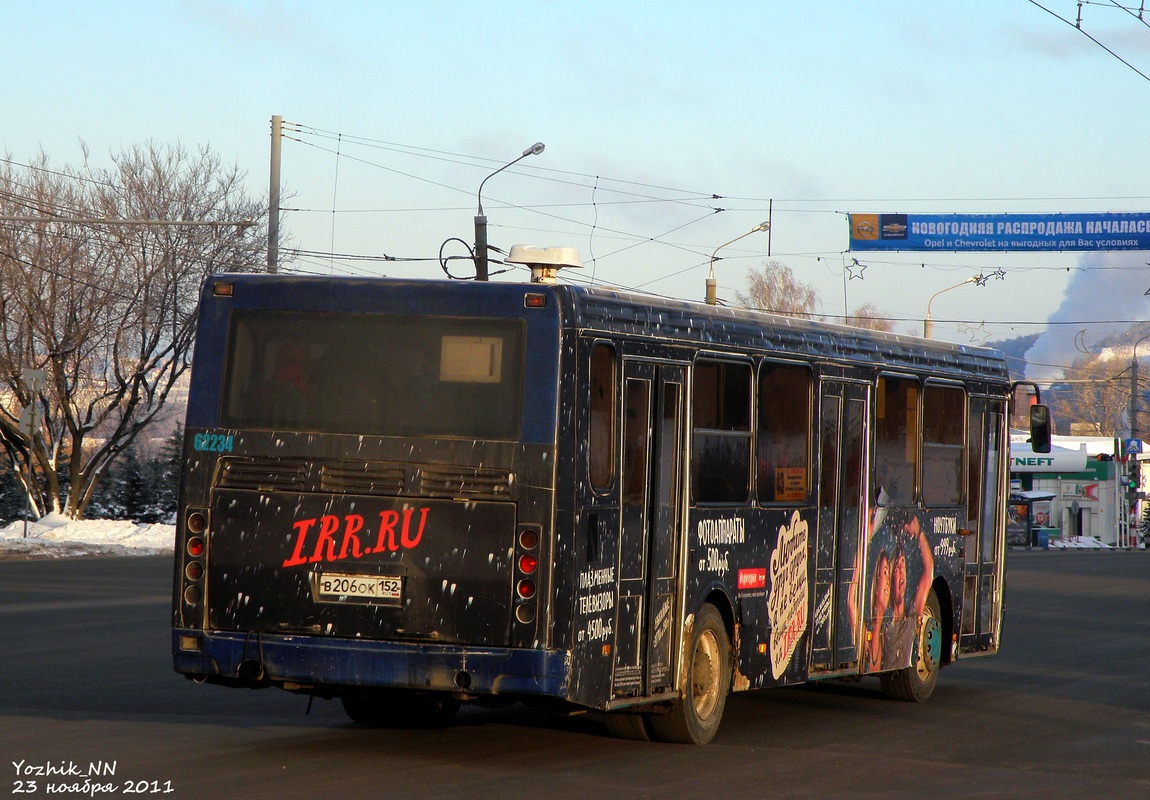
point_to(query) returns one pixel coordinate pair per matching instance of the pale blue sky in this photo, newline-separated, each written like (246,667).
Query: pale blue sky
(824,108)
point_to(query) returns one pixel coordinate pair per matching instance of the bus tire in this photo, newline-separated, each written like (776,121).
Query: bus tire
(401,709)
(623,725)
(694,718)
(916,683)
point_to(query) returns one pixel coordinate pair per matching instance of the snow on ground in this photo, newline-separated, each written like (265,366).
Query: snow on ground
(1079,543)
(56,536)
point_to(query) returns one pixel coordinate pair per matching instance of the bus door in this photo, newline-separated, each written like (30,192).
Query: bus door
(982,546)
(652,454)
(839,538)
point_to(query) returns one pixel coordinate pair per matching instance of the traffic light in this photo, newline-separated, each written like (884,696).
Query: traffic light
(1131,480)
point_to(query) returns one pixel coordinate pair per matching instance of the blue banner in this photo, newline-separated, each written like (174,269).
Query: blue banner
(1000,232)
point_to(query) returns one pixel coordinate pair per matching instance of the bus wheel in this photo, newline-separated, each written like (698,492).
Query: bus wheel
(622,725)
(916,682)
(694,718)
(401,709)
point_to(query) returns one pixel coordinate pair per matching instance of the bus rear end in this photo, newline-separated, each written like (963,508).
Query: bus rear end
(367,495)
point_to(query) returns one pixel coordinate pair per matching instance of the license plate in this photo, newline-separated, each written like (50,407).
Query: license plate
(335,587)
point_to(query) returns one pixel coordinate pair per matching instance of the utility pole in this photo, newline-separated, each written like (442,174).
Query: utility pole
(1134,398)
(1133,467)
(274,195)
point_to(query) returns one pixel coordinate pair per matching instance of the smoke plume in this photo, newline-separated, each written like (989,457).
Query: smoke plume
(1103,297)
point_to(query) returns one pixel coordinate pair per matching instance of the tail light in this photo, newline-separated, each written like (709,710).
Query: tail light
(197,522)
(527,563)
(195,549)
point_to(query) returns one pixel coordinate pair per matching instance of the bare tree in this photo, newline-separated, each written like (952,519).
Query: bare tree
(1093,394)
(775,289)
(107,311)
(868,316)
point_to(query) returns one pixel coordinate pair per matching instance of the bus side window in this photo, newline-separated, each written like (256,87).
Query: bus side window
(784,429)
(721,468)
(943,449)
(602,433)
(896,439)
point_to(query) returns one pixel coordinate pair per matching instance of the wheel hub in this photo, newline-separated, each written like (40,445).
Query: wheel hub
(930,645)
(705,675)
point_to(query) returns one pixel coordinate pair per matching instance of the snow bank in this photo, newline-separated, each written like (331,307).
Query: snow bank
(1079,543)
(55,536)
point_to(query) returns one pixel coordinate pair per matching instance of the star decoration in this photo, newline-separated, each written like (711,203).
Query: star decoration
(999,273)
(977,333)
(853,266)
(980,279)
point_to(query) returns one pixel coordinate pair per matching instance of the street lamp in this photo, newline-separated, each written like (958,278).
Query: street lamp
(481,220)
(711,300)
(928,323)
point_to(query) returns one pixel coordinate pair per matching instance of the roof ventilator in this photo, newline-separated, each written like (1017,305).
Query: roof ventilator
(545,262)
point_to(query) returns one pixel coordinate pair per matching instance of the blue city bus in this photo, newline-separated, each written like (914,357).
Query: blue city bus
(412,494)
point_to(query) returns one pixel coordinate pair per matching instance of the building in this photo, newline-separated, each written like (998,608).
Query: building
(1083,487)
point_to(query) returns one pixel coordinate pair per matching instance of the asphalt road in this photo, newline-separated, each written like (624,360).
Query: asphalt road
(1063,712)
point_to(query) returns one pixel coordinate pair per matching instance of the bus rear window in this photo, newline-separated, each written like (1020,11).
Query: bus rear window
(374,374)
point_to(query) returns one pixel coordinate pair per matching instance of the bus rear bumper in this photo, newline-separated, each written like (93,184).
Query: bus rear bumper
(307,662)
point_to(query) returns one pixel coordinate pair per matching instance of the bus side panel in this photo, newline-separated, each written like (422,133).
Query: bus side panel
(944,533)
(910,551)
(562,510)
(595,619)
(758,561)
(595,519)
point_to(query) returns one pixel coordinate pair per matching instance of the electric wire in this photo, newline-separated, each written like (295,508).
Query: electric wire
(1078,27)
(595,185)
(637,239)
(467,160)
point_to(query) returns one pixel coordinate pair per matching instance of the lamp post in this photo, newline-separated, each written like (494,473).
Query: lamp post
(928,323)
(481,220)
(711,299)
